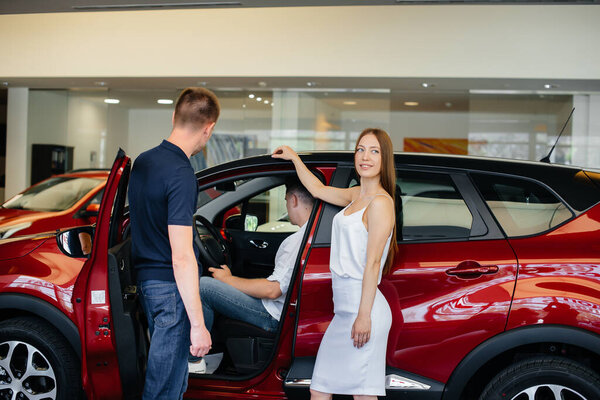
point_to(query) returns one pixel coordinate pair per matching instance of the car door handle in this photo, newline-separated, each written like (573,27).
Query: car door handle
(259,244)
(472,269)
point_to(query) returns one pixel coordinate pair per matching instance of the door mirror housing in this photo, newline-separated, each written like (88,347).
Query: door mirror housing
(76,242)
(90,211)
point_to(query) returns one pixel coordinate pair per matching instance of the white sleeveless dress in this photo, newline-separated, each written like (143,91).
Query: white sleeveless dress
(340,367)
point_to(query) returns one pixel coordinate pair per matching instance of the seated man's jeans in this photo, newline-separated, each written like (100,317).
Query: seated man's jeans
(167,370)
(226,300)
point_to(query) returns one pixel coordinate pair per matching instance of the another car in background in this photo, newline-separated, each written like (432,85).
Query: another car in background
(66,200)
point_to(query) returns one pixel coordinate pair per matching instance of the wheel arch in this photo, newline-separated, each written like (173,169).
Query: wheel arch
(509,343)
(15,305)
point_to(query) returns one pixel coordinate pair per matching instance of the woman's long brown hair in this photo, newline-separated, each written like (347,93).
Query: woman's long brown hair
(387,178)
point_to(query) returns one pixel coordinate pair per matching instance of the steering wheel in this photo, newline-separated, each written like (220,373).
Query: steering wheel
(214,250)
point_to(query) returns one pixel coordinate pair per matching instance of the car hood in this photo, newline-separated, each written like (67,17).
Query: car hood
(21,246)
(10,216)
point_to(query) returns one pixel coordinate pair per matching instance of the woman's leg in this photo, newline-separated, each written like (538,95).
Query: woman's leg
(316,395)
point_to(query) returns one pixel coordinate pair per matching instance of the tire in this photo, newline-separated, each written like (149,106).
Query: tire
(544,378)
(36,362)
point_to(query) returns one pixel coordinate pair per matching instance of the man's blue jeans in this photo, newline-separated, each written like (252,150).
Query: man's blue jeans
(226,300)
(167,370)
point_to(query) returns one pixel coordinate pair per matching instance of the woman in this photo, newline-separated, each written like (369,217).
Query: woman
(351,358)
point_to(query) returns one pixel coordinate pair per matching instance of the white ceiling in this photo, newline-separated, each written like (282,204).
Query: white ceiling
(45,6)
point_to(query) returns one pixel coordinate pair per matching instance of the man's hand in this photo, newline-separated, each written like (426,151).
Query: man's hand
(221,274)
(201,341)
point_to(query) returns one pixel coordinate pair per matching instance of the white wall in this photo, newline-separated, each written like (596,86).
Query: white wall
(147,129)
(87,128)
(470,41)
(47,123)
(118,135)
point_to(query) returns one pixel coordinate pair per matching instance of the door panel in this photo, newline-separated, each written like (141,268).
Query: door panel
(253,253)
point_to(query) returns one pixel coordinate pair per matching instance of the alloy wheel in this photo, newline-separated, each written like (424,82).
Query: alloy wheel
(25,373)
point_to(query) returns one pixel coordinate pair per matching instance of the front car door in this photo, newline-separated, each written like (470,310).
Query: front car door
(96,318)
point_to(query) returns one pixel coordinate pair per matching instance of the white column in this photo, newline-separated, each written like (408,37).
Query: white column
(16,141)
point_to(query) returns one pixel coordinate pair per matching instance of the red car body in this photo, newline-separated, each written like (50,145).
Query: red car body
(464,308)
(28,221)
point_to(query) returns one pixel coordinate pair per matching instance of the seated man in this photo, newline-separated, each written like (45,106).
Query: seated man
(257,301)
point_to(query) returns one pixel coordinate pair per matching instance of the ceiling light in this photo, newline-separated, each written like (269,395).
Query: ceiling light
(266,101)
(100,83)
(243,106)
(272,104)
(311,84)
(411,103)
(350,103)
(164,101)
(262,84)
(550,86)
(259,99)
(112,101)
(427,85)
(251,95)
(448,104)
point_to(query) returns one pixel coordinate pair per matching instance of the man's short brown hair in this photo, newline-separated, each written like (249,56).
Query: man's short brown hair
(196,107)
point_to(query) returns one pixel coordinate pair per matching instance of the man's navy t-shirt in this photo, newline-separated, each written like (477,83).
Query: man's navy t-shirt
(162,191)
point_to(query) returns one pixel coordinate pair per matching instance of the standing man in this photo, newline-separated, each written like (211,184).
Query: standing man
(162,201)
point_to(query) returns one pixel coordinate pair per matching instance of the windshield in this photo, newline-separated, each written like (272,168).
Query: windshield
(54,194)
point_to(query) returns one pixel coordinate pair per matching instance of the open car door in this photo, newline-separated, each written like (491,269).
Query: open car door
(110,322)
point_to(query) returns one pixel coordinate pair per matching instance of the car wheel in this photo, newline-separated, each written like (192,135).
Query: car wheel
(544,378)
(36,362)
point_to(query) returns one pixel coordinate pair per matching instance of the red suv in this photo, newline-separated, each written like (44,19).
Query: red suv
(495,292)
(65,200)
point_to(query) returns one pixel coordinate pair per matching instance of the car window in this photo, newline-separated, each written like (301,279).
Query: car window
(54,194)
(432,207)
(522,207)
(266,212)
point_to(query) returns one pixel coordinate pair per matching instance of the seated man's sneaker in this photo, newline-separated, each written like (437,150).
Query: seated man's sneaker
(197,367)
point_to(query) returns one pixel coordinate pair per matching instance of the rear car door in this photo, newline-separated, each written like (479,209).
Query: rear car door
(450,287)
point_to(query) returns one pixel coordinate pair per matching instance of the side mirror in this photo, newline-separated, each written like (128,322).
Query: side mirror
(250,223)
(90,211)
(76,242)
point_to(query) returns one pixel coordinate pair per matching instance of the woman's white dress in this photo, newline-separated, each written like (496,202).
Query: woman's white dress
(340,367)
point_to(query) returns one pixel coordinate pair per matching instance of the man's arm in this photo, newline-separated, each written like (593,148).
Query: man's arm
(185,269)
(260,288)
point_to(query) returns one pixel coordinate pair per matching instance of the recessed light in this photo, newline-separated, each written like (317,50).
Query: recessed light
(243,106)
(164,101)
(100,83)
(550,86)
(202,83)
(266,101)
(262,84)
(259,99)
(411,103)
(350,103)
(448,104)
(112,101)
(272,104)
(427,85)
(251,95)
(311,84)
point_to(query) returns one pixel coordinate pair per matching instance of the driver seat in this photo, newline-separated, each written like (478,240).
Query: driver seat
(249,347)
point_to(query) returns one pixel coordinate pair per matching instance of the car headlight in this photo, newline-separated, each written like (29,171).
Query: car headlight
(8,231)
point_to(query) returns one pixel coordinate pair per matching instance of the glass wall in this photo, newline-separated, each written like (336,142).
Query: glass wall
(524,126)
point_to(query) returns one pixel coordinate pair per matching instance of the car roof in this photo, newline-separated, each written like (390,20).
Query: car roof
(569,182)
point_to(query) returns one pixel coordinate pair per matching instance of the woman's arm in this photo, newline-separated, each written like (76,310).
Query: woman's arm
(329,194)
(380,222)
